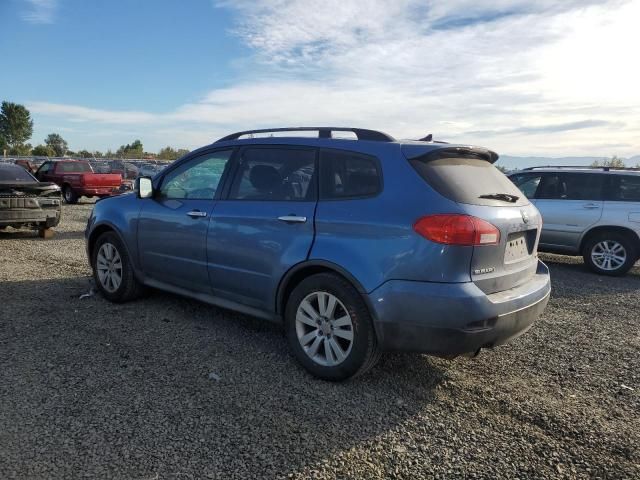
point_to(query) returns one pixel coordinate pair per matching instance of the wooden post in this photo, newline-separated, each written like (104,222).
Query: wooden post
(46,233)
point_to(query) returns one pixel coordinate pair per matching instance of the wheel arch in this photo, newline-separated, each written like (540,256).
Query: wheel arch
(302,270)
(610,228)
(100,229)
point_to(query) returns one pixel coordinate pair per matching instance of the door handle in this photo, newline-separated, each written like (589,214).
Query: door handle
(590,206)
(196,214)
(292,219)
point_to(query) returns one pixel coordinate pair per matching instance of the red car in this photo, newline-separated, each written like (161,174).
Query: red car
(76,178)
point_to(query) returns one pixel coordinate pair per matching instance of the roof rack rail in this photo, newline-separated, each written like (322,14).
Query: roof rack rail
(323,132)
(583,167)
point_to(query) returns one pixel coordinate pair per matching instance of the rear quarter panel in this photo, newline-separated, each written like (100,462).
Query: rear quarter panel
(618,214)
(373,238)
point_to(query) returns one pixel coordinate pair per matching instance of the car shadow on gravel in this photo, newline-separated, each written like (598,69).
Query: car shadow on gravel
(165,385)
(14,234)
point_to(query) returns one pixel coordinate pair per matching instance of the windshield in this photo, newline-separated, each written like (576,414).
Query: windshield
(14,174)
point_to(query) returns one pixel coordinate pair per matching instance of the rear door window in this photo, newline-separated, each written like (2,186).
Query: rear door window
(275,174)
(347,174)
(468,180)
(570,186)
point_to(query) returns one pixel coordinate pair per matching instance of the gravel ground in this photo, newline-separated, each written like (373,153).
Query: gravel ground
(169,388)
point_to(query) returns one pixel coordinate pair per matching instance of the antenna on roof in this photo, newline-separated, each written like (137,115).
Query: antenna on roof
(428,138)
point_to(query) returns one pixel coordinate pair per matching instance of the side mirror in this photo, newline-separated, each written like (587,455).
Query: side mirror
(144,187)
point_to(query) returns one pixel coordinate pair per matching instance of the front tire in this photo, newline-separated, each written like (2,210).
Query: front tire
(69,195)
(610,253)
(112,270)
(329,328)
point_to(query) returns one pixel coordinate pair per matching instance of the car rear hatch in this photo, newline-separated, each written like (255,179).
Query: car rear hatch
(504,257)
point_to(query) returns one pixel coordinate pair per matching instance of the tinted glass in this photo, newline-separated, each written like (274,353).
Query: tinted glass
(73,167)
(14,174)
(528,184)
(466,180)
(348,174)
(276,174)
(198,179)
(44,168)
(570,186)
(625,188)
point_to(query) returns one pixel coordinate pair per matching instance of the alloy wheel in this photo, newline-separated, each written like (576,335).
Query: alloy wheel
(324,328)
(109,267)
(608,255)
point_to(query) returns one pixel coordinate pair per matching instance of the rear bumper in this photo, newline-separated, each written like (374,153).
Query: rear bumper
(451,319)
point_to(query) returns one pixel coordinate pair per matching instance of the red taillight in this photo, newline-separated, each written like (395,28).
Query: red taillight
(457,230)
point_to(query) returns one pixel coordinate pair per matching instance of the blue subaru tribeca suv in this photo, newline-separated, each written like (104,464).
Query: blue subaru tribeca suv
(357,245)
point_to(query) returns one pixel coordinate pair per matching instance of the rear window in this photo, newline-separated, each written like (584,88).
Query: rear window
(15,174)
(467,180)
(73,167)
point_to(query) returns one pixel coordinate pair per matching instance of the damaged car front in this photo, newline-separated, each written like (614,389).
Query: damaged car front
(25,202)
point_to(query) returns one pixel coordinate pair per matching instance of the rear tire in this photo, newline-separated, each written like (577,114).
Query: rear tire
(329,328)
(112,270)
(610,253)
(69,195)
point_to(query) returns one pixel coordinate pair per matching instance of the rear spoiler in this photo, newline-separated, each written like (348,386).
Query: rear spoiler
(414,151)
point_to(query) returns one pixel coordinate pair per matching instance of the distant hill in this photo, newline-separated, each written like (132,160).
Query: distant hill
(515,163)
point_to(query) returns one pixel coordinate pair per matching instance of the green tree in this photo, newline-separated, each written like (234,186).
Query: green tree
(614,161)
(3,145)
(43,151)
(169,153)
(57,143)
(22,150)
(134,150)
(85,154)
(16,126)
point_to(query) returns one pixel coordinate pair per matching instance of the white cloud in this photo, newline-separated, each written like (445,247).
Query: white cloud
(547,77)
(40,11)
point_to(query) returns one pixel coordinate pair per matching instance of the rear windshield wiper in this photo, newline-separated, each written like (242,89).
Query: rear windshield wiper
(501,196)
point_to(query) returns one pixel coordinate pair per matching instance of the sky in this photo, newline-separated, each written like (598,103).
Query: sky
(543,78)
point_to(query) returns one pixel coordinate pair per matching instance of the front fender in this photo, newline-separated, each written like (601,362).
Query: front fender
(119,214)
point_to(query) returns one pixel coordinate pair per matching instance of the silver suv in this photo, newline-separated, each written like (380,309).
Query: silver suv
(588,211)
